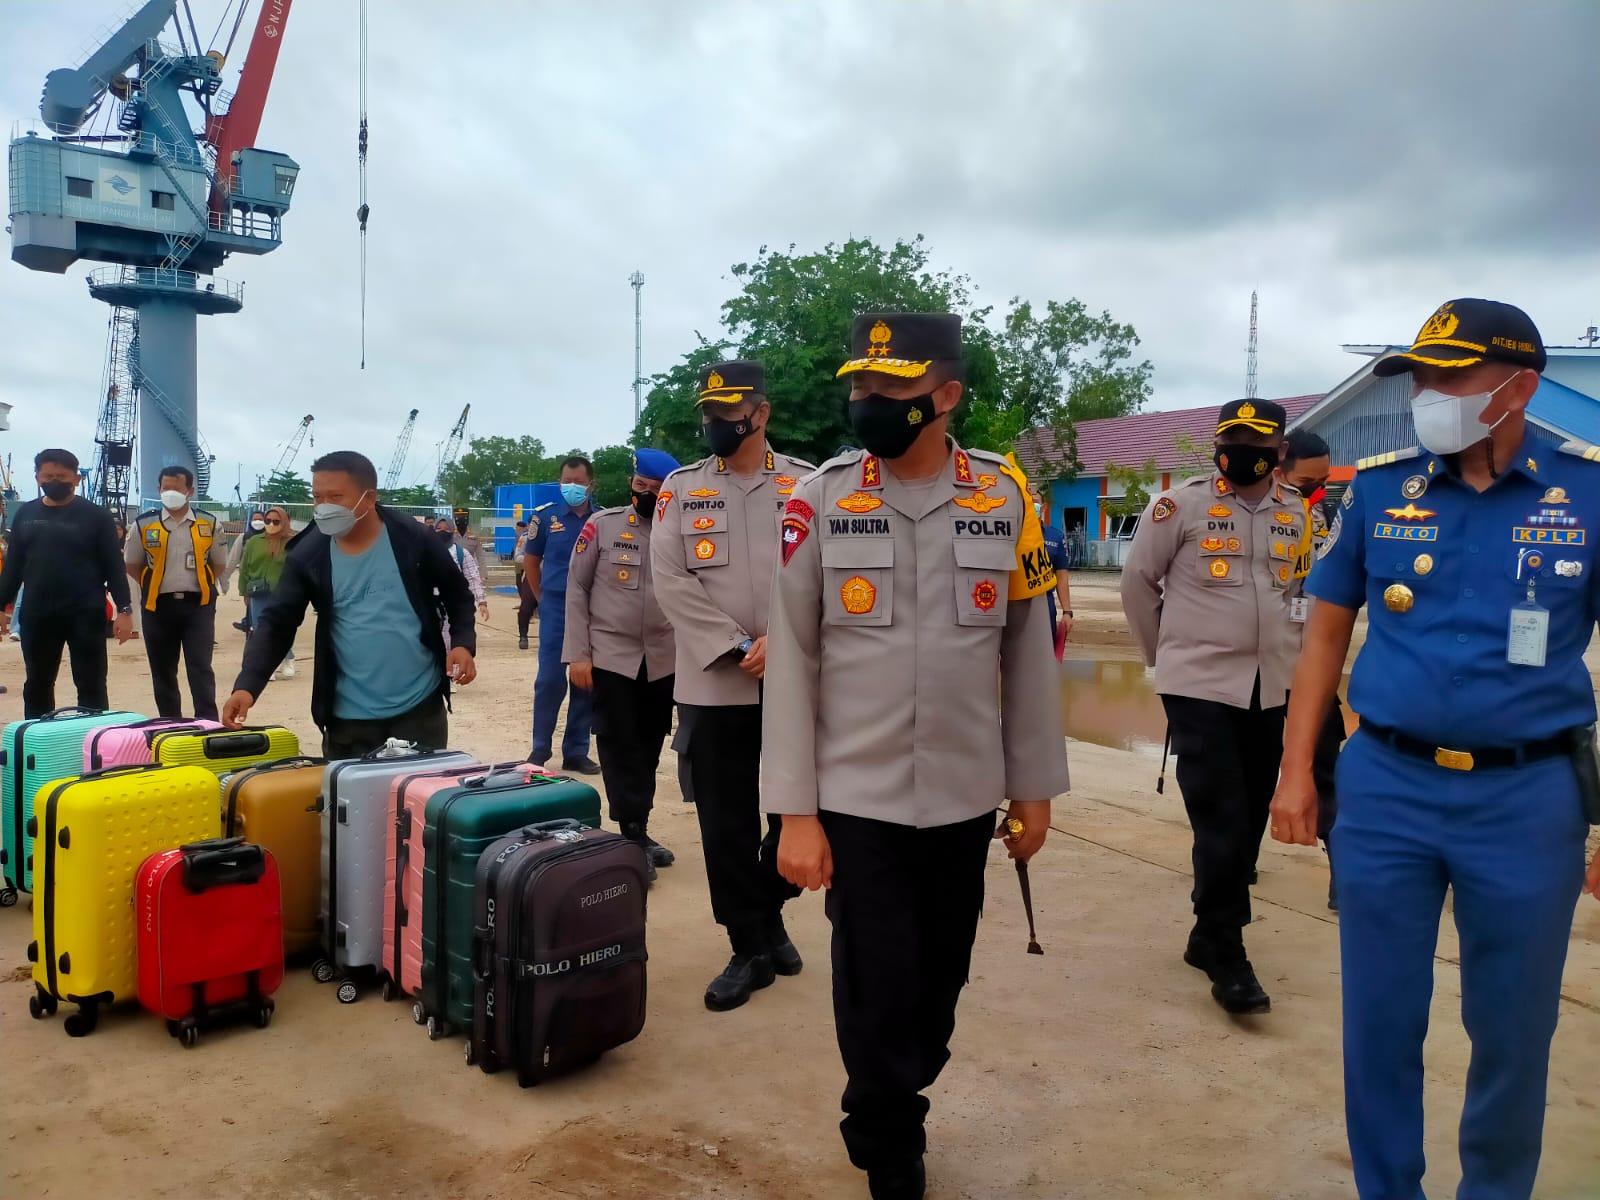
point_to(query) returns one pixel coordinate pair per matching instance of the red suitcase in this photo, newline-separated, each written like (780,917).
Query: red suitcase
(210,934)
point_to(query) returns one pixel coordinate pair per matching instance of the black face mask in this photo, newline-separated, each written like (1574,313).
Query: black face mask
(57,490)
(725,437)
(887,426)
(461,528)
(1242,465)
(446,536)
(644,503)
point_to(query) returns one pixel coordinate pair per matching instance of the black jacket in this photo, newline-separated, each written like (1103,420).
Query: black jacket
(432,581)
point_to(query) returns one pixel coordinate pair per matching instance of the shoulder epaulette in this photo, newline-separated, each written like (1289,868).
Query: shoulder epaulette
(1391,456)
(839,460)
(1581,450)
(545,505)
(149,512)
(1192,481)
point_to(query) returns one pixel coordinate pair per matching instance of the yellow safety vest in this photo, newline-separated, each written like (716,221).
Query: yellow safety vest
(153,537)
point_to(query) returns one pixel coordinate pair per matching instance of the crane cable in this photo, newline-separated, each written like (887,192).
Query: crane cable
(361,159)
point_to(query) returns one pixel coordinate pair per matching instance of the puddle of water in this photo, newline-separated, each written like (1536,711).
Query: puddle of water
(1113,702)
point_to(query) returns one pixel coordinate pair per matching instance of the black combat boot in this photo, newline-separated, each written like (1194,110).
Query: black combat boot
(659,855)
(1234,985)
(786,959)
(745,973)
(908,1182)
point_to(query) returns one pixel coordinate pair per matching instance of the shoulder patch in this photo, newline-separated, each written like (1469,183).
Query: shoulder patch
(1392,456)
(1581,450)
(1164,507)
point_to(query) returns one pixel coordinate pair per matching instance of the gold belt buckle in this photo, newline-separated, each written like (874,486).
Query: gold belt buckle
(1453,760)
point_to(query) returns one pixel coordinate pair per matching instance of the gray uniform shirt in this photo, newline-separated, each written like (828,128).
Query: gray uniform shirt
(180,573)
(613,618)
(906,681)
(1207,589)
(712,555)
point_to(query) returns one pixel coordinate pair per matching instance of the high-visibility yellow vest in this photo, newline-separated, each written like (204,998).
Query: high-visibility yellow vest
(154,539)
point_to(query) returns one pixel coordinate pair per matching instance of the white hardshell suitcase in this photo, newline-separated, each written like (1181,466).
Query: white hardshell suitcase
(355,847)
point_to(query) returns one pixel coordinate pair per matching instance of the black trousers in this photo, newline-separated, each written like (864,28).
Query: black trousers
(182,623)
(45,633)
(527,606)
(1227,768)
(428,725)
(1323,760)
(723,746)
(632,718)
(904,904)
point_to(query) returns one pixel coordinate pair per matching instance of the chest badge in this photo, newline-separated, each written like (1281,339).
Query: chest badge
(1422,564)
(857,595)
(1219,511)
(986,481)
(1555,495)
(985,595)
(1410,512)
(1398,598)
(623,575)
(1568,568)
(704,522)
(1235,545)
(556,526)
(785,481)
(628,537)
(1283,518)
(1212,545)
(858,503)
(704,549)
(980,502)
(1414,486)
(705,493)
(1219,568)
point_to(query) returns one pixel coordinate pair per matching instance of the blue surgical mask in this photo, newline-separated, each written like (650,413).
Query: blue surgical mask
(574,494)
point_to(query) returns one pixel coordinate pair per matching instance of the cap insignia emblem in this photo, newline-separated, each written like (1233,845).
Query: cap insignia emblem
(1246,411)
(713,381)
(878,336)
(1442,324)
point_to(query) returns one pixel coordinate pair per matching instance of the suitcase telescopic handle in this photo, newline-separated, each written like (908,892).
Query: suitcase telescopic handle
(128,769)
(219,862)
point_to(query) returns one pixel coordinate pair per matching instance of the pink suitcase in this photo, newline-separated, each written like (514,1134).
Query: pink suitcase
(129,745)
(406,860)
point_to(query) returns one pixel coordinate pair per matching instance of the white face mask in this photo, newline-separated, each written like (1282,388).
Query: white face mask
(336,520)
(1448,424)
(172,501)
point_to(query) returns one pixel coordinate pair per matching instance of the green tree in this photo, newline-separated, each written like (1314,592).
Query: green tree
(490,461)
(1136,483)
(283,487)
(418,495)
(793,311)
(613,476)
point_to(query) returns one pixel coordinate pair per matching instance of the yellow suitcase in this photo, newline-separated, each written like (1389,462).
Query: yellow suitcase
(223,751)
(92,833)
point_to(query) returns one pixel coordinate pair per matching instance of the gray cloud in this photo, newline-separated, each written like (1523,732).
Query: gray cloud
(1357,163)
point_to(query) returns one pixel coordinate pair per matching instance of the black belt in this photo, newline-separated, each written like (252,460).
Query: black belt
(1457,758)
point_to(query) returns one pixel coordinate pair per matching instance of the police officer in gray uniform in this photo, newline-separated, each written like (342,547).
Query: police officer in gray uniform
(908,616)
(618,643)
(1208,592)
(712,553)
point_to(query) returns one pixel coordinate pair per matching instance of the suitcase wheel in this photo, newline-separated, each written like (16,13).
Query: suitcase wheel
(41,1004)
(82,1023)
(418,1014)
(348,992)
(322,971)
(188,1034)
(386,989)
(8,897)
(264,1014)
(435,1029)
(472,1055)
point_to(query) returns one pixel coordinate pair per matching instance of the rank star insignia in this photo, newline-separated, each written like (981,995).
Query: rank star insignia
(963,467)
(1219,511)
(1410,513)
(704,549)
(1220,486)
(858,503)
(704,522)
(980,502)
(1164,508)
(857,595)
(1414,486)
(1555,495)
(704,493)
(869,472)
(633,518)
(1219,568)
(985,595)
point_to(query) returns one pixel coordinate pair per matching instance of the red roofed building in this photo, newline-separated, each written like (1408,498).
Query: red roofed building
(1078,504)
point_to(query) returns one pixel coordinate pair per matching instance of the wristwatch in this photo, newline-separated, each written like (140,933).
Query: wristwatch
(1069,613)
(743,648)
(125,611)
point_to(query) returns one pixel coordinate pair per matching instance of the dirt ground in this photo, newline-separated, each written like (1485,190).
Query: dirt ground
(1100,1070)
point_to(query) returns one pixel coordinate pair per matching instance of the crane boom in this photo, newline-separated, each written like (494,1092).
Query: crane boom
(286,459)
(237,128)
(452,445)
(402,448)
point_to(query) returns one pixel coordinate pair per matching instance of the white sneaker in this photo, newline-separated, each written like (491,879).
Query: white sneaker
(275,675)
(288,670)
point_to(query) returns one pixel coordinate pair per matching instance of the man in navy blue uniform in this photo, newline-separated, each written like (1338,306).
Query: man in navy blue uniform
(1055,546)
(1473,767)
(553,529)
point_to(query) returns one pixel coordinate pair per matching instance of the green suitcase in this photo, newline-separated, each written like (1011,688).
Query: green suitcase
(460,822)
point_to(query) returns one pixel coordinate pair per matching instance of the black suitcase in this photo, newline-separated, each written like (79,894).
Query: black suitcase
(558,949)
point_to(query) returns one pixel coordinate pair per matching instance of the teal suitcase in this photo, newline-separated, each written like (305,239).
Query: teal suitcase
(32,754)
(460,823)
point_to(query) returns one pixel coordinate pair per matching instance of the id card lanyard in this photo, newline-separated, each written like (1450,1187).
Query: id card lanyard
(1529,632)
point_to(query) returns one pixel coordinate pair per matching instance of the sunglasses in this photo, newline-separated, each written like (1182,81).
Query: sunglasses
(274,524)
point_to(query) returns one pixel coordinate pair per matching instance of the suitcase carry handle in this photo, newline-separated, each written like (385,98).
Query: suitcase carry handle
(394,748)
(236,745)
(218,862)
(73,710)
(543,830)
(497,777)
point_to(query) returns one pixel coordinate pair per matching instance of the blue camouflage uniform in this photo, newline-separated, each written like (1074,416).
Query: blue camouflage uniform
(553,528)
(1441,569)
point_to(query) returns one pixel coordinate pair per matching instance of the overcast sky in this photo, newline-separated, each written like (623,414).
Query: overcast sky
(1357,163)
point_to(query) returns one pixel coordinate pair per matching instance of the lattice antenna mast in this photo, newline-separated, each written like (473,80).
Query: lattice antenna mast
(637,280)
(292,449)
(402,448)
(1250,360)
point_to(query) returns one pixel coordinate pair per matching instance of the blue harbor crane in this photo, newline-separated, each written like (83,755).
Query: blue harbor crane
(161,203)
